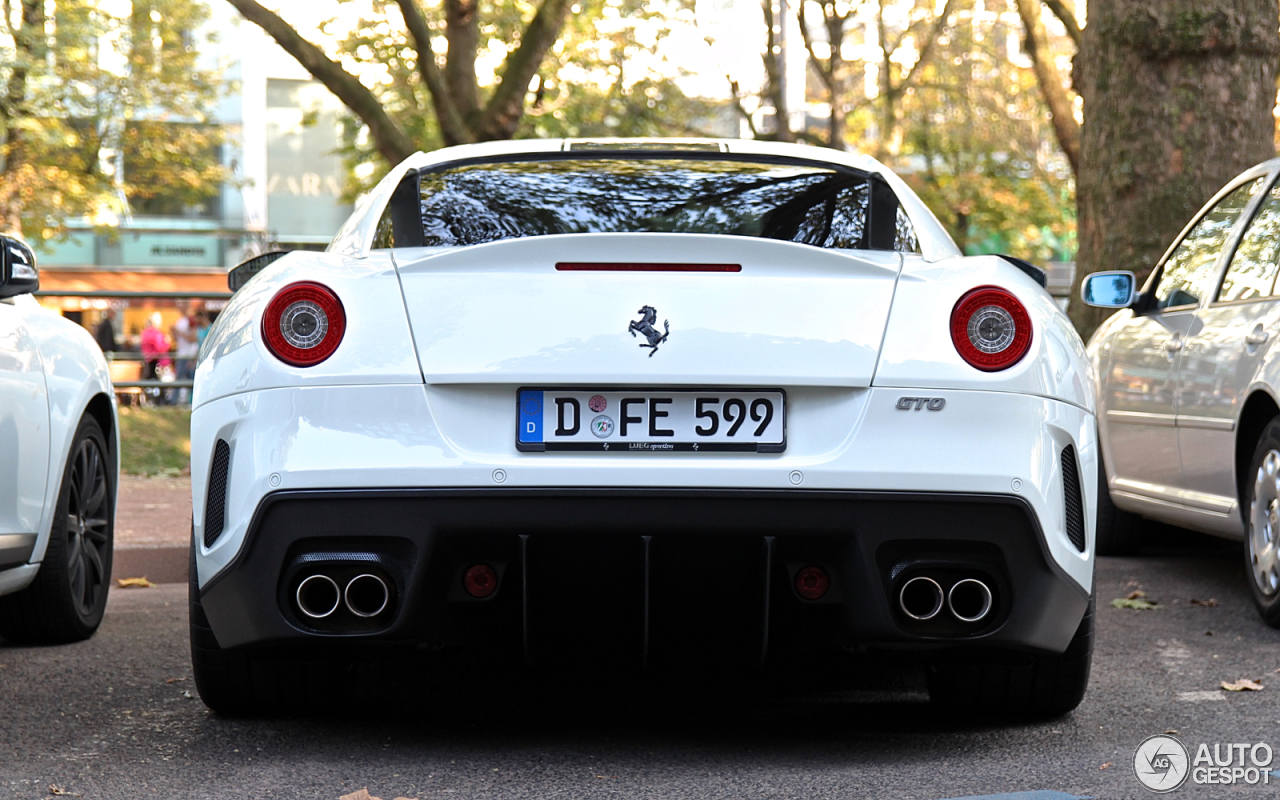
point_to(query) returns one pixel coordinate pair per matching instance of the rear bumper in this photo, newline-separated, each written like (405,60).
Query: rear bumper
(645,578)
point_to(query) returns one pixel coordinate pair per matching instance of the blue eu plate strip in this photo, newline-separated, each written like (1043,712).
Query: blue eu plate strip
(530,416)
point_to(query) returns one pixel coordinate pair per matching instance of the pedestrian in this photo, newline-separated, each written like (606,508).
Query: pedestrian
(187,343)
(154,346)
(105,332)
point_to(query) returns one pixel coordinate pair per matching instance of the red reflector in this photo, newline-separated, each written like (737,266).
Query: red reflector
(621,266)
(480,581)
(812,583)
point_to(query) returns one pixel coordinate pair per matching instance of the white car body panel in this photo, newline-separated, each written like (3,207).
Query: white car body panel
(24,424)
(816,325)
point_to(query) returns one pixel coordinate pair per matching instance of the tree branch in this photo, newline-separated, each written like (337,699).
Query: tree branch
(926,52)
(1052,87)
(388,137)
(452,127)
(502,114)
(462,30)
(1065,11)
(824,70)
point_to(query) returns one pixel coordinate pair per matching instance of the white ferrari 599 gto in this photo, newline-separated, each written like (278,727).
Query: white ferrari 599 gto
(663,407)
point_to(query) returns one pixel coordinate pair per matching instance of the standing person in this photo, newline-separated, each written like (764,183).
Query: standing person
(105,332)
(187,342)
(154,346)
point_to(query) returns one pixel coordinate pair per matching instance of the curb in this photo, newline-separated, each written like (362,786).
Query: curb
(167,564)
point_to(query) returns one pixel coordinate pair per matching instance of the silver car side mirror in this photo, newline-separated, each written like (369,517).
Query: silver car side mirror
(18,274)
(1115,289)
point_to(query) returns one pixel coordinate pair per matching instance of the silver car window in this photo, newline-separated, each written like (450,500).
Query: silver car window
(1253,267)
(1188,272)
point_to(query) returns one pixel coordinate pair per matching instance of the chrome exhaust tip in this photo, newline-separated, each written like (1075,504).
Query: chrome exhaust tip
(366,595)
(318,596)
(920,598)
(969,600)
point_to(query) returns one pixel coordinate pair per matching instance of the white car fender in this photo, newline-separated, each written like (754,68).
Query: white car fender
(76,374)
(377,350)
(918,351)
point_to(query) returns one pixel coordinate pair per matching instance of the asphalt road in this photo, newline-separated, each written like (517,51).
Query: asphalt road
(114,717)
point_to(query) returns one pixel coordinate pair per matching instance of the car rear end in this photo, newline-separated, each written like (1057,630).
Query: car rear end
(715,423)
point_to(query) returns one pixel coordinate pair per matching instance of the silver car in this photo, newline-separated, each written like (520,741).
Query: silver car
(1189,384)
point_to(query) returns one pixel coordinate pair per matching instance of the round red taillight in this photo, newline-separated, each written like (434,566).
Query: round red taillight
(480,581)
(812,583)
(990,328)
(304,324)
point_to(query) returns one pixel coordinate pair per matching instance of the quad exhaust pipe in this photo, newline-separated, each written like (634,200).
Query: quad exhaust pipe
(922,598)
(319,596)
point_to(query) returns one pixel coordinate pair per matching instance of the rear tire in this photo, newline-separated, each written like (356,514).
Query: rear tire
(1007,685)
(68,597)
(1119,532)
(245,683)
(1262,525)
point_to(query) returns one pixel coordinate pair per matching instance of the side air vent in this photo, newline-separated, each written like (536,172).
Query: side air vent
(215,510)
(1072,497)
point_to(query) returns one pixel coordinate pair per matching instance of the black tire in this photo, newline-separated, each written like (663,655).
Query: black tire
(1119,532)
(248,683)
(66,601)
(1008,685)
(1262,533)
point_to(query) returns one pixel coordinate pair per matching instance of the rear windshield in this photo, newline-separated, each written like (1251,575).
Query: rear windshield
(797,202)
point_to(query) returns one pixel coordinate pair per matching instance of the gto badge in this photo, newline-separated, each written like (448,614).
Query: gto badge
(917,403)
(648,316)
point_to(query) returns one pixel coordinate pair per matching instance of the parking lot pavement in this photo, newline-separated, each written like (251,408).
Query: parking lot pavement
(153,528)
(112,718)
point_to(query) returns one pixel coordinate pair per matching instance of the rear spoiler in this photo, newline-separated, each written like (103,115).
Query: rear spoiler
(242,272)
(1035,273)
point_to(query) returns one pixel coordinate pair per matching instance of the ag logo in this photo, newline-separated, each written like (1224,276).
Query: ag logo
(1161,763)
(649,316)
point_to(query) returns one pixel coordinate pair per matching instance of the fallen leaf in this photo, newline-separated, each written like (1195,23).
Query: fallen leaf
(1172,731)
(58,791)
(363,794)
(174,680)
(1134,602)
(1242,685)
(141,583)
(1210,603)
(1135,595)
(1105,766)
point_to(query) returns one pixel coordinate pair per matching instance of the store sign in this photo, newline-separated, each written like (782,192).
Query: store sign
(163,250)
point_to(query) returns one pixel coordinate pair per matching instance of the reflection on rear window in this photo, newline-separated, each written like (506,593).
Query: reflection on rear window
(792,202)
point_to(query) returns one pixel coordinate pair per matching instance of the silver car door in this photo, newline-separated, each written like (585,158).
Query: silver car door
(1140,388)
(1237,330)
(24,434)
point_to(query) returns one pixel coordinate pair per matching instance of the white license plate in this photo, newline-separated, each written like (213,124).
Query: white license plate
(719,420)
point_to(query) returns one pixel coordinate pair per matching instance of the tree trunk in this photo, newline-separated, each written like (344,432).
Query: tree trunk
(1178,98)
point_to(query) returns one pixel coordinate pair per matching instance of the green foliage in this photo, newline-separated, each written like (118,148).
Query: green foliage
(976,149)
(604,77)
(107,106)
